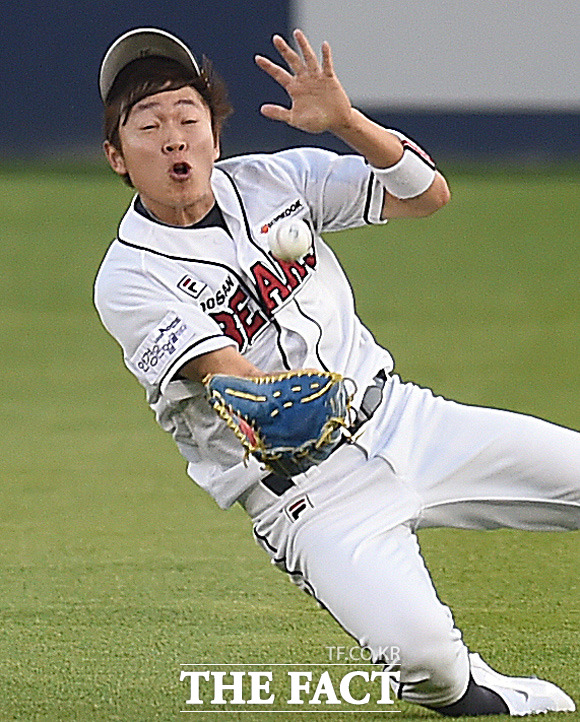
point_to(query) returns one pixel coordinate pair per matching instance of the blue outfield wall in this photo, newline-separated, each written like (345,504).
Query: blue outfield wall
(51,50)
(515,137)
(50,55)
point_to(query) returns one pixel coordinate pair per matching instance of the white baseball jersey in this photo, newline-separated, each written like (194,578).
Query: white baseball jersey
(168,294)
(343,530)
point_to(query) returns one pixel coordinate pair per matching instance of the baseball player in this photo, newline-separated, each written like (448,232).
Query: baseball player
(192,292)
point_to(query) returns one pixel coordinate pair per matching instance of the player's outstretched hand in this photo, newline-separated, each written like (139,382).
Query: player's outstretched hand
(319,102)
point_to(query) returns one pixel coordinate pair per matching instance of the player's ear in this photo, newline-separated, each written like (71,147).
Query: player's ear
(217,150)
(115,158)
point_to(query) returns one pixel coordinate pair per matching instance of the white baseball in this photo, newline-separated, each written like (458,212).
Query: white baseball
(291,240)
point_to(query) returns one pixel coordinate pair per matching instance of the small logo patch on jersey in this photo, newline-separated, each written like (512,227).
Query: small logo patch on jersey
(157,351)
(297,507)
(284,214)
(191,286)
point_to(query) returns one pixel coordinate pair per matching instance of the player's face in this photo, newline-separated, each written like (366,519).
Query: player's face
(168,149)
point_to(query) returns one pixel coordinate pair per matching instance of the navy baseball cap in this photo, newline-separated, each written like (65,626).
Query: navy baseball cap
(142,43)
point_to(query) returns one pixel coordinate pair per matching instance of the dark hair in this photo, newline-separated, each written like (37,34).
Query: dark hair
(154,74)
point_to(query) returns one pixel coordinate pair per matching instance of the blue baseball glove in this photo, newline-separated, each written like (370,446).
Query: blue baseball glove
(289,422)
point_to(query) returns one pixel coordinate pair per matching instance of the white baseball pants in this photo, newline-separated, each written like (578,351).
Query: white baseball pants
(345,531)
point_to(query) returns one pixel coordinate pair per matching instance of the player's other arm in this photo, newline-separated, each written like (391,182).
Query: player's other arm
(384,151)
(223,361)
(319,104)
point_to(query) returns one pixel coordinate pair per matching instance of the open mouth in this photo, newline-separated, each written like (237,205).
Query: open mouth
(180,171)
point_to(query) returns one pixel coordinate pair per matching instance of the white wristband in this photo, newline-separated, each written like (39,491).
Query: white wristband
(408,178)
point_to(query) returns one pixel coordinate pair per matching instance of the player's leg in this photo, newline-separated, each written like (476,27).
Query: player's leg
(348,548)
(379,590)
(482,468)
(525,474)
(374,582)
(369,574)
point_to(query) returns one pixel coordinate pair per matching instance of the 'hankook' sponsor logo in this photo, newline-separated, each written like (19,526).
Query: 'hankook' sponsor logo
(284,214)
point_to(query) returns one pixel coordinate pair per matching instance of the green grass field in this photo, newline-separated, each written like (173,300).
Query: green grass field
(115,569)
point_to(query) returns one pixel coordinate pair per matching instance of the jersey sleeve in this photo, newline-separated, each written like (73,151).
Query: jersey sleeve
(341,190)
(157,332)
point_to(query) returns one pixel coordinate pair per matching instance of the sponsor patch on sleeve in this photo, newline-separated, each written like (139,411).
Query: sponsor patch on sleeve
(160,347)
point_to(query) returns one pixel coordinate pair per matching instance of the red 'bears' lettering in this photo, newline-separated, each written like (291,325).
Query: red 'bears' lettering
(240,323)
(274,291)
(229,326)
(251,322)
(271,289)
(296,271)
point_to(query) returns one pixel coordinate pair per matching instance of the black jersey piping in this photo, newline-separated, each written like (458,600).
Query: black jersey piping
(245,216)
(171,368)
(367,210)
(241,281)
(203,262)
(271,259)
(266,255)
(315,322)
(213,219)
(297,573)
(267,543)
